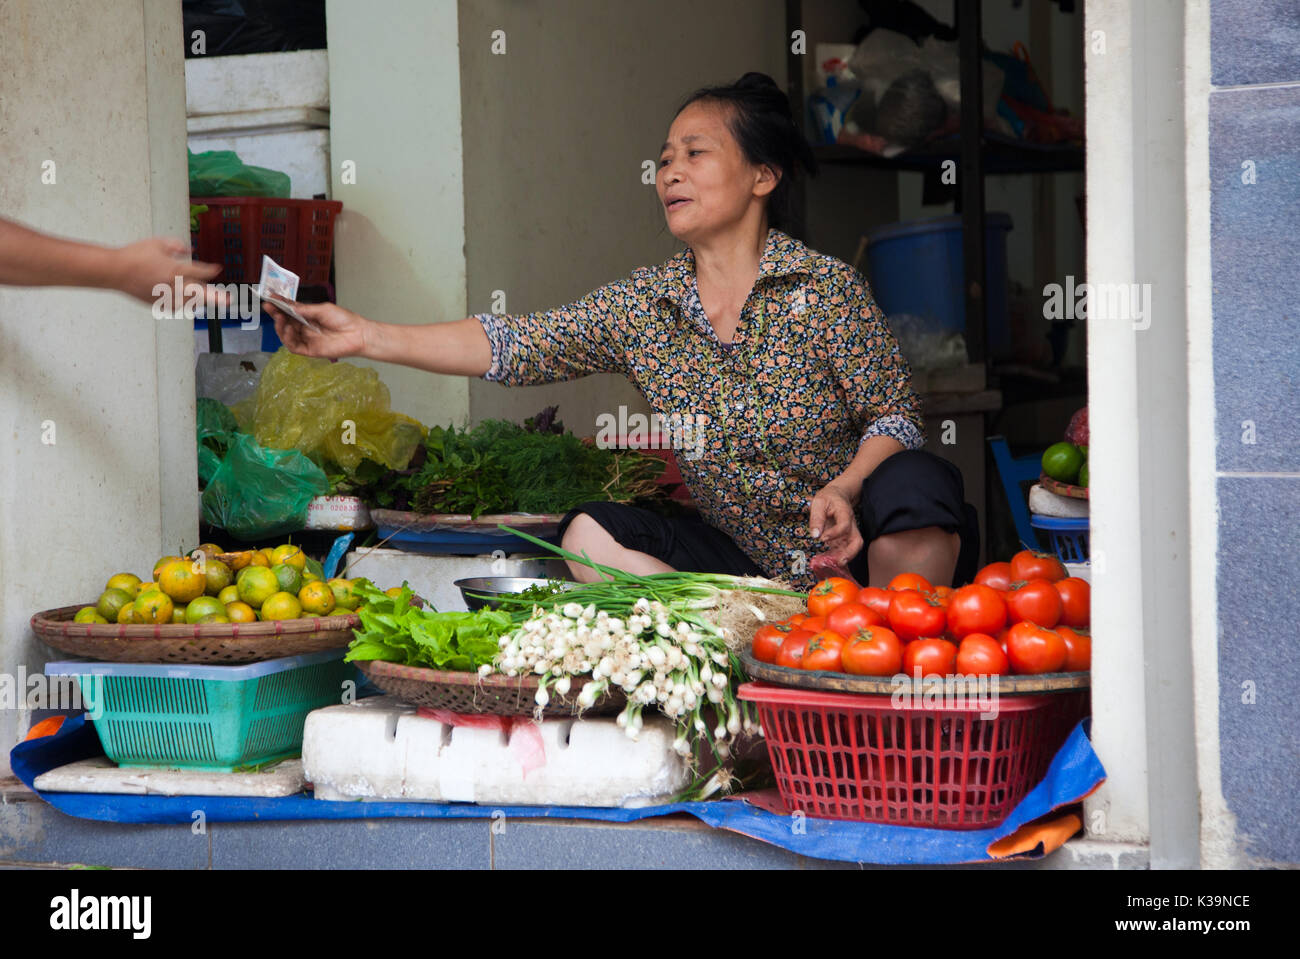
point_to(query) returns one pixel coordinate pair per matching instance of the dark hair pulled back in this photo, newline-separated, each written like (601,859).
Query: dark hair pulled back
(765,130)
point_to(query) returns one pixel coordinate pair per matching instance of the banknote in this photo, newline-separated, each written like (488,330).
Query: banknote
(280,286)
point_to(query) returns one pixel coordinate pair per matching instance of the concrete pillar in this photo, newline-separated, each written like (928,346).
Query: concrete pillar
(96,397)
(396,164)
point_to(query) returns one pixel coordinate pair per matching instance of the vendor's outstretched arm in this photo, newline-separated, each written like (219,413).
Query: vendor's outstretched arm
(459,348)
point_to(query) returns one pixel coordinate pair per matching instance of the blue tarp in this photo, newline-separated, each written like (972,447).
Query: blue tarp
(1074,773)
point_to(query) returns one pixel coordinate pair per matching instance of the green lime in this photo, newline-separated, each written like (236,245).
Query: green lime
(1083,476)
(111,602)
(1061,461)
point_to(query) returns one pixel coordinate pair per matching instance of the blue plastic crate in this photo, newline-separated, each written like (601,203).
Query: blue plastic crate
(1069,537)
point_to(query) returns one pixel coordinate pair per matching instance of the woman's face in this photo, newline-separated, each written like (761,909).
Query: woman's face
(704,182)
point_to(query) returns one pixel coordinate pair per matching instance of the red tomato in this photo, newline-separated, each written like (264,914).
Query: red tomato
(976,609)
(768,640)
(981,655)
(1033,649)
(830,593)
(873,597)
(911,581)
(1036,601)
(792,650)
(1076,601)
(941,595)
(814,624)
(1029,564)
(913,615)
(797,619)
(995,576)
(872,651)
(823,652)
(847,618)
(931,656)
(1078,650)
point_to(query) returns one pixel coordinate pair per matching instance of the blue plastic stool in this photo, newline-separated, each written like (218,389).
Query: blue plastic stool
(1014,471)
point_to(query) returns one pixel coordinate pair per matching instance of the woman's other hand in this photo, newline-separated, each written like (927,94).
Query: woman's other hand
(833,521)
(342,332)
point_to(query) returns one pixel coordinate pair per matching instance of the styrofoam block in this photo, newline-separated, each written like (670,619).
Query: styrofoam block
(257,81)
(352,750)
(431,576)
(350,753)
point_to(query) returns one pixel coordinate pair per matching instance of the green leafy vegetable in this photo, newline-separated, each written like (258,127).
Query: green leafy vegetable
(397,632)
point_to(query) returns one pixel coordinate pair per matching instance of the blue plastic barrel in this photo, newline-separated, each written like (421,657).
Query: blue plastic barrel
(916,268)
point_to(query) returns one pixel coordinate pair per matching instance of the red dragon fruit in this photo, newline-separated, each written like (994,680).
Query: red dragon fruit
(1077,431)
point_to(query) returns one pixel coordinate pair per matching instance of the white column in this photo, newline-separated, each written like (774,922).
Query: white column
(96,397)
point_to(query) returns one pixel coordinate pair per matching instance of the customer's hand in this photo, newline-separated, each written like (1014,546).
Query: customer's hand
(342,332)
(833,520)
(136,269)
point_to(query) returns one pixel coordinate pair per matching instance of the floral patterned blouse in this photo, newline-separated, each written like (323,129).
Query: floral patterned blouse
(758,425)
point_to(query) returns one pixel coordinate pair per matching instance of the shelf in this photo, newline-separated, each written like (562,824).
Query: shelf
(1003,156)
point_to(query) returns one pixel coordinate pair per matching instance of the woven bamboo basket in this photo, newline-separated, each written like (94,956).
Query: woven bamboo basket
(467,693)
(217,643)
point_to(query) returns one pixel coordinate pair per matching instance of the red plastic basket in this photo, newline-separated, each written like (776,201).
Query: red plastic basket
(236,231)
(850,756)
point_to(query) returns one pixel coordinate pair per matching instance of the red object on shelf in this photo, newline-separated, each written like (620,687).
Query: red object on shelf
(671,476)
(236,231)
(858,757)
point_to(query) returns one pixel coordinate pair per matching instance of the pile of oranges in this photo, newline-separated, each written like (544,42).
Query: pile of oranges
(213,586)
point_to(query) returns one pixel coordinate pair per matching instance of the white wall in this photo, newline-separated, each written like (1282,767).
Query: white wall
(395,102)
(556,130)
(99,90)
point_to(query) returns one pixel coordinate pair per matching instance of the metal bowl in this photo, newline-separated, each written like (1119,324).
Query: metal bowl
(495,587)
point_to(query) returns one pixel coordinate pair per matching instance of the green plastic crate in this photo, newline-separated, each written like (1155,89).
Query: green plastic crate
(212,718)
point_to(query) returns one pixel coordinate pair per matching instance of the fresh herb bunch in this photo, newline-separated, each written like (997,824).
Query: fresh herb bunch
(500,467)
(394,630)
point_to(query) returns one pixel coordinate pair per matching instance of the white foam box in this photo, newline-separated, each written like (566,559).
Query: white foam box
(379,748)
(432,576)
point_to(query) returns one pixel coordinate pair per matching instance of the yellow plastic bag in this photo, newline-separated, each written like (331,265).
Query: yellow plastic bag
(332,412)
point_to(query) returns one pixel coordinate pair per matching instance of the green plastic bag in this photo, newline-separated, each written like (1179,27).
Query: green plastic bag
(255,492)
(336,413)
(215,424)
(222,173)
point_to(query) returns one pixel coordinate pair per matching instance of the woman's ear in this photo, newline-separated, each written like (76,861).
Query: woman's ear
(768,178)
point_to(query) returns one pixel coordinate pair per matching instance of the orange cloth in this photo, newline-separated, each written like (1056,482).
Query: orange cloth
(1051,833)
(46,727)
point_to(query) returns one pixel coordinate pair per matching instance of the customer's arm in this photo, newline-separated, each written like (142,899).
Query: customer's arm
(31,258)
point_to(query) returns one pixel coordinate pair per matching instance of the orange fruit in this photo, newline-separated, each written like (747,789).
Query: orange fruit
(157,567)
(317,599)
(259,559)
(344,597)
(178,614)
(181,582)
(255,585)
(126,614)
(127,582)
(239,612)
(237,561)
(289,578)
(213,618)
(282,606)
(229,595)
(203,606)
(111,601)
(88,614)
(290,555)
(154,606)
(218,576)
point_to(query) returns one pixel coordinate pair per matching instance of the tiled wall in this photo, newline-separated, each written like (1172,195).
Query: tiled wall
(1255,252)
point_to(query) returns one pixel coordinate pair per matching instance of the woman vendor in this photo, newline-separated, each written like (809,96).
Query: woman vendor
(811,433)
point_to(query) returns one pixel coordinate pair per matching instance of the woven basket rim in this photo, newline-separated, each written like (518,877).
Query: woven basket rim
(58,622)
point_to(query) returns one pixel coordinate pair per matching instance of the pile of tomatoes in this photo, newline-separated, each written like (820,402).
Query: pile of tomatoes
(1026,616)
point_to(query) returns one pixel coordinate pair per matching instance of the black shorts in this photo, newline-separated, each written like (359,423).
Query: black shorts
(912,489)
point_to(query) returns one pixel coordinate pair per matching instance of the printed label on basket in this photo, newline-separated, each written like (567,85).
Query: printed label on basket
(337,512)
(280,286)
